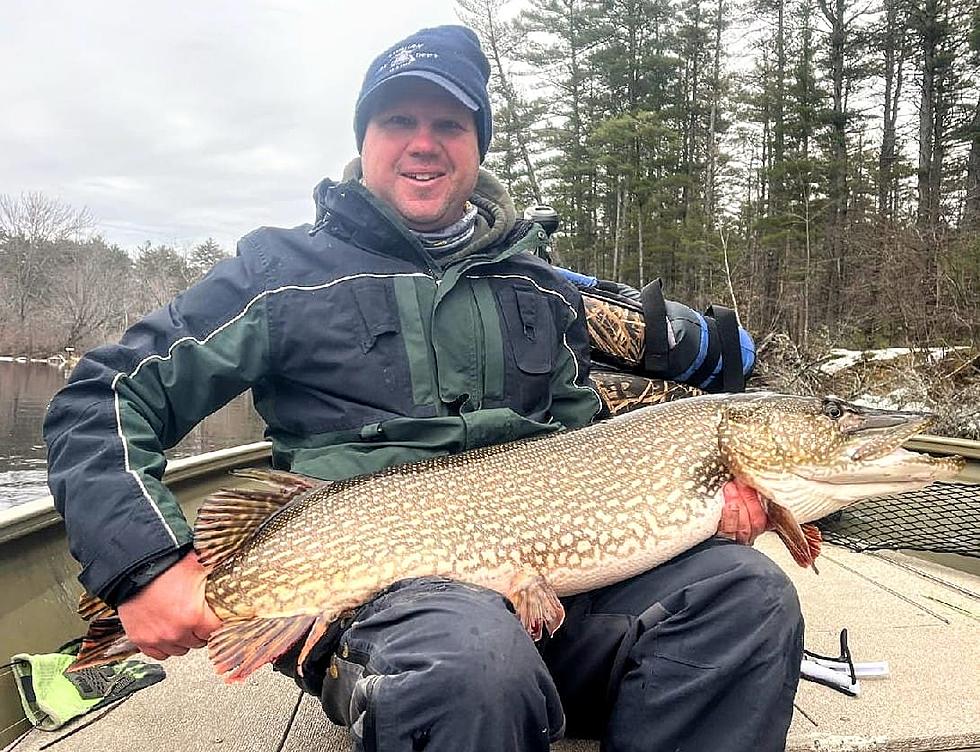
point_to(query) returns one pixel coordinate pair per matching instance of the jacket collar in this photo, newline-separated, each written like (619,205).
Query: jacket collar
(350,212)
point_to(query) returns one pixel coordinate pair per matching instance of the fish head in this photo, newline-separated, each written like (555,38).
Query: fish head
(814,456)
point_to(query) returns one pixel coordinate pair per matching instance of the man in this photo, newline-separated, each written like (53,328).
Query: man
(414,319)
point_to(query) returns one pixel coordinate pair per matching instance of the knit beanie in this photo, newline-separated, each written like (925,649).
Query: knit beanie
(449,56)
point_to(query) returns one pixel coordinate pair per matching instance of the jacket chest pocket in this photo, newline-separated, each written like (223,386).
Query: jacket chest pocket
(375,302)
(529,324)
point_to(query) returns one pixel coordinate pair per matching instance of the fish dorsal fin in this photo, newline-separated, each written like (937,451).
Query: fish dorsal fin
(230,516)
(803,542)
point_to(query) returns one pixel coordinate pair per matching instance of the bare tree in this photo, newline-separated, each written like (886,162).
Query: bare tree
(87,303)
(36,217)
(31,226)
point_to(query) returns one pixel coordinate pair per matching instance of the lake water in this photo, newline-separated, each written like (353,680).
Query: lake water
(26,389)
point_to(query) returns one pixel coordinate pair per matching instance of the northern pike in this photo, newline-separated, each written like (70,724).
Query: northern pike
(533,519)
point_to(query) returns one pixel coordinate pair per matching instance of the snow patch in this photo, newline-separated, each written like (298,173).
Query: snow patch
(900,399)
(841,358)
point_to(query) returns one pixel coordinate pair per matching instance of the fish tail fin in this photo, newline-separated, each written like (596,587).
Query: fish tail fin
(240,646)
(803,541)
(105,642)
(92,608)
(229,517)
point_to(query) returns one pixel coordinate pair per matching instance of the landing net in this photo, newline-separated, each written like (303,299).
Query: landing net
(943,518)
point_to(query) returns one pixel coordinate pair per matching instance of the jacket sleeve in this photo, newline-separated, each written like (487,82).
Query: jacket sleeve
(107,429)
(575,402)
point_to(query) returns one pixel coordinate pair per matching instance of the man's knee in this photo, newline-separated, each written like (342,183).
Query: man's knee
(757,582)
(726,593)
(445,651)
(754,606)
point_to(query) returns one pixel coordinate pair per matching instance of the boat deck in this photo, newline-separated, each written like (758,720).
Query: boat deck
(921,617)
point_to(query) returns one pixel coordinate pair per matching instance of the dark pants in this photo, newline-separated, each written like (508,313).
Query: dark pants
(702,653)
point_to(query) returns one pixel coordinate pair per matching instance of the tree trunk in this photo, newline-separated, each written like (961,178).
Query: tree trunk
(929,35)
(894,59)
(639,244)
(971,208)
(712,145)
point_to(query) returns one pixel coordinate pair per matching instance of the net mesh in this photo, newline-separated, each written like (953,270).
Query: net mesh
(943,518)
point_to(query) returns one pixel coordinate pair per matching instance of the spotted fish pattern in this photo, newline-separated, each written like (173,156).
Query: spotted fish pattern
(535,519)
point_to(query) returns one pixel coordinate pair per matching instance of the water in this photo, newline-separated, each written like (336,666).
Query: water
(26,389)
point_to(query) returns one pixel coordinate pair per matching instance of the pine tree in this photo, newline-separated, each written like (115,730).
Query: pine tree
(561,37)
(512,150)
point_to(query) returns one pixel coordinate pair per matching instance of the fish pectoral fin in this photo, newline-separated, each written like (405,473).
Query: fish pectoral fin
(105,642)
(319,629)
(91,608)
(803,542)
(240,646)
(288,484)
(536,603)
(230,516)
(814,539)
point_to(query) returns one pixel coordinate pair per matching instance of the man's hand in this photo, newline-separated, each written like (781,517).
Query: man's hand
(170,615)
(743,518)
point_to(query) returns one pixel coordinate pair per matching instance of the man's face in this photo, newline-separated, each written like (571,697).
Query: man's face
(420,153)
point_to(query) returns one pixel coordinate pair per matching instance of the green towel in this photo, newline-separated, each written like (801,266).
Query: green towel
(51,697)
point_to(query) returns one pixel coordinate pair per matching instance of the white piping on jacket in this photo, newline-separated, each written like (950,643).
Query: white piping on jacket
(119,431)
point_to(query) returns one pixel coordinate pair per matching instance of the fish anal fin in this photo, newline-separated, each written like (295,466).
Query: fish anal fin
(536,603)
(240,646)
(105,642)
(804,546)
(230,516)
(91,608)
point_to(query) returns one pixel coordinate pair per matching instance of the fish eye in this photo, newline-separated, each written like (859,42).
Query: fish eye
(832,410)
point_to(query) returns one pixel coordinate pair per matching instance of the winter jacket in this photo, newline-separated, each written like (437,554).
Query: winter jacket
(360,350)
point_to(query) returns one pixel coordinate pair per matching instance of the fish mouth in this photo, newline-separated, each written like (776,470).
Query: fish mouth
(873,452)
(874,434)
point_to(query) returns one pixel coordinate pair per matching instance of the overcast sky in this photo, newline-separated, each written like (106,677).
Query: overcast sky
(174,121)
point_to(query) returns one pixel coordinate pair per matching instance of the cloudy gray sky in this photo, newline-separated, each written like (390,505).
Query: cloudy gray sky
(174,121)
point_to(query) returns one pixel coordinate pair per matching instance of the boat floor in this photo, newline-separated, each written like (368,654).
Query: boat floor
(921,617)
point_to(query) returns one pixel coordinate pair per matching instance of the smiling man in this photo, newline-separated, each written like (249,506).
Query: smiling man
(415,318)
(420,153)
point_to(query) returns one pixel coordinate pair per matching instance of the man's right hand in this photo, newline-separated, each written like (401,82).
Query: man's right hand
(170,615)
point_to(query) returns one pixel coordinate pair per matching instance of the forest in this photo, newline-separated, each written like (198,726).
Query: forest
(63,286)
(813,163)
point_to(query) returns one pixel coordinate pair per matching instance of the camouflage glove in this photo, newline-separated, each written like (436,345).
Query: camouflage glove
(51,698)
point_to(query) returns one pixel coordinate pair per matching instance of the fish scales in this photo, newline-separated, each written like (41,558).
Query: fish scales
(550,504)
(534,519)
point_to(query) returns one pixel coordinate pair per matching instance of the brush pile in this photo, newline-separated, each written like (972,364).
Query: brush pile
(940,380)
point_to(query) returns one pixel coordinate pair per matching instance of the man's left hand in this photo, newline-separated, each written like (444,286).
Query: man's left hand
(743,518)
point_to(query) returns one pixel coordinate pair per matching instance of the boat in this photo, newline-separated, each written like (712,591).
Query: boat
(920,614)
